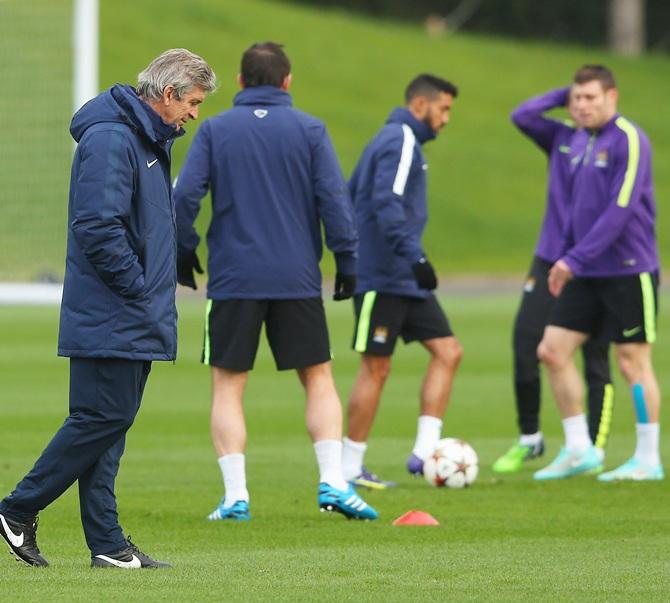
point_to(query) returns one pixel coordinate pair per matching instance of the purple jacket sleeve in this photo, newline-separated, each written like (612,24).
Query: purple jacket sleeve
(333,201)
(191,186)
(101,207)
(529,118)
(624,196)
(387,198)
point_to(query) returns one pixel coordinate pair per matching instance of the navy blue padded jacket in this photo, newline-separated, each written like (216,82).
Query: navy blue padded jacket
(120,272)
(388,189)
(274,179)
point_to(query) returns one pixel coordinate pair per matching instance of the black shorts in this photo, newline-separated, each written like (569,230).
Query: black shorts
(380,318)
(623,309)
(296,330)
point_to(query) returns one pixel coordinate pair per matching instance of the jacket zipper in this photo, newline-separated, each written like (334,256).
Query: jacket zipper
(589,148)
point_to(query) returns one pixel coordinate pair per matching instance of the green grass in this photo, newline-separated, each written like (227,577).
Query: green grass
(486,181)
(37,148)
(506,538)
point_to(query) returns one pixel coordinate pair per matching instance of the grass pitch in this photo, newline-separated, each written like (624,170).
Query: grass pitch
(506,538)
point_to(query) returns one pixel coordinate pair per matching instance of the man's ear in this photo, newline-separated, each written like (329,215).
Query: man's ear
(418,106)
(168,95)
(240,81)
(286,84)
(613,95)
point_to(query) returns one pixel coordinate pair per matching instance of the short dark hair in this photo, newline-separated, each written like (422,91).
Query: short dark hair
(264,64)
(589,73)
(429,85)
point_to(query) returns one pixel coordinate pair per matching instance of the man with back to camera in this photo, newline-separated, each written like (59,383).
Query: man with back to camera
(606,279)
(554,138)
(118,310)
(394,293)
(274,178)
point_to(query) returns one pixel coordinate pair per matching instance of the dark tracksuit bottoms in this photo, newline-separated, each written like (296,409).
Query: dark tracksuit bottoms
(105,395)
(532,317)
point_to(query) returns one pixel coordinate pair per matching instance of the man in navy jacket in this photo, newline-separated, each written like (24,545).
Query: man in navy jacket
(118,310)
(274,179)
(395,280)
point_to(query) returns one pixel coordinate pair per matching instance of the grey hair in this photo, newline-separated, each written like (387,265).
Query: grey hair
(176,67)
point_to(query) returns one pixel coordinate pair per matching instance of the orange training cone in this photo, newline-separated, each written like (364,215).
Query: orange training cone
(416,518)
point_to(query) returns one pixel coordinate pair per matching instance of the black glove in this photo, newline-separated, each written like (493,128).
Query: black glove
(187,262)
(345,286)
(424,274)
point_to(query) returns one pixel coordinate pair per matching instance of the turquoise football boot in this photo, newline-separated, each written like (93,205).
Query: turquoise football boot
(568,463)
(633,470)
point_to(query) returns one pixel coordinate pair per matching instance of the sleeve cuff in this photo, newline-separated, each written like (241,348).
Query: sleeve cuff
(345,263)
(416,255)
(573,264)
(135,289)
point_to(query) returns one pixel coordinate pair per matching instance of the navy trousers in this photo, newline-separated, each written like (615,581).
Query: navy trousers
(105,395)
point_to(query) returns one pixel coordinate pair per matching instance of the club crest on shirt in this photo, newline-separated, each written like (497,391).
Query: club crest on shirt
(529,286)
(601,159)
(260,113)
(380,335)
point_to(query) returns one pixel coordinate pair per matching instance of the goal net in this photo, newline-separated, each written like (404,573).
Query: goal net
(36,149)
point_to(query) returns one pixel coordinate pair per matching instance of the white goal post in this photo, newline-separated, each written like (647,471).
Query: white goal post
(85,34)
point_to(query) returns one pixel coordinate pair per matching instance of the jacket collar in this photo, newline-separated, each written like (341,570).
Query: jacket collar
(143,116)
(262,95)
(608,125)
(422,131)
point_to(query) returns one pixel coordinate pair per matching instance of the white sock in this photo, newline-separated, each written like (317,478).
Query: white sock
(576,433)
(234,478)
(352,458)
(428,434)
(329,459)
(530,439)
(646,450)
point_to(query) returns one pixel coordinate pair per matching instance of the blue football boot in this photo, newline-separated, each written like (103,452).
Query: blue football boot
(238,511)
(346,502)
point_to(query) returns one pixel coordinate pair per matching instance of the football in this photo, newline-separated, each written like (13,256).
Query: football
(453,464)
